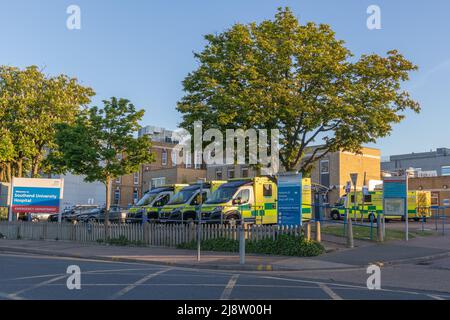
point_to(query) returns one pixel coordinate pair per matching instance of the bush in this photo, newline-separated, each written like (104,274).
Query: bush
(285,245)
(121,241)
(3,213)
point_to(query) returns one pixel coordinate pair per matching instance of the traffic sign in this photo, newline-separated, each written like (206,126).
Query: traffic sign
(354,178)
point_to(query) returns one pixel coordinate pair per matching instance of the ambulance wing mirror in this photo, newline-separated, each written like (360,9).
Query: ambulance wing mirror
(237,200)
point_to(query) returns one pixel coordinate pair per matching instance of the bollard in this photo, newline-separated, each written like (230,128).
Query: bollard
(379,229)
(241,245)
(318,233)
(308,231)
(350,243)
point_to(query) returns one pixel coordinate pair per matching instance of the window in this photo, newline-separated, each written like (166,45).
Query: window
(324,166)
(197,199)
(198,160)
(267,190)
(219,174)
(158,182)
(164,157)
(135,195)
(324,170)
(188,160)
(435,198)
(161,202)
(118,180)
(136,178)
(244,172)
(244,195)
(445,170)
(368,198)
(230,173)
(117,195)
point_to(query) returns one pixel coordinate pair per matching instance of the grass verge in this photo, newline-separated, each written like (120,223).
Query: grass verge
(364,233)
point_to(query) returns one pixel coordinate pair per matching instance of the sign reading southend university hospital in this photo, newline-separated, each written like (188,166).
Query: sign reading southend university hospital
(36,195)
(290,199)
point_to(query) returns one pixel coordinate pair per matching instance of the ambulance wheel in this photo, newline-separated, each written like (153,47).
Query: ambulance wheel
(233,220)
(335,215)
(372,217)
(416,219)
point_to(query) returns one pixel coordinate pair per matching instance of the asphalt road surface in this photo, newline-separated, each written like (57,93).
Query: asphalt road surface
(24,276)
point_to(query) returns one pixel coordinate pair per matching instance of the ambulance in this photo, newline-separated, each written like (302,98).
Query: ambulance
(251,200)
(152,202)
(183,206)
(419,205)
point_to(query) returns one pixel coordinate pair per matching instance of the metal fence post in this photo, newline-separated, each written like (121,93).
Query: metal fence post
(308,231)
(241,245)
(350,242)
(379,228)
(371,225)
(318,232)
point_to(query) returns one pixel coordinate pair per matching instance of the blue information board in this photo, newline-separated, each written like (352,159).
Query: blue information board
(290,200)
(395,196)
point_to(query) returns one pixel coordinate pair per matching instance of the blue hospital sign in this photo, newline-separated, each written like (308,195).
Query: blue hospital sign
(395,195)
(36,195)
(290,199)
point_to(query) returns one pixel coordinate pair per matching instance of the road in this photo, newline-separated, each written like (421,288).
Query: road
(25,276)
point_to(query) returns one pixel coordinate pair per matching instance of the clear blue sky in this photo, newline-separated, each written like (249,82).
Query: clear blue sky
(142,49)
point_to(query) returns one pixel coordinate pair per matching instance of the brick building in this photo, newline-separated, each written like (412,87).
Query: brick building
(438,186)
(332,172)
(127,189)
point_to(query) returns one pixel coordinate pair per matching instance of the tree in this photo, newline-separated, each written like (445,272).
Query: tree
(30,104)
(101,144)
(301,80)
(6,154)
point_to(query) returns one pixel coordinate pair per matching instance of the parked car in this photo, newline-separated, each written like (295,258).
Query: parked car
(71,215)
(116,214)
(64,216)
(34,217)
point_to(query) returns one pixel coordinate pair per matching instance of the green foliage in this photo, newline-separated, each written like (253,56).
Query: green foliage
(286,245)
(121,241)
(300,79)
(3,213)
(31,104)
(101,144)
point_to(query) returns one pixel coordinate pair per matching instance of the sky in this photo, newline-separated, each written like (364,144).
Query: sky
(143,49)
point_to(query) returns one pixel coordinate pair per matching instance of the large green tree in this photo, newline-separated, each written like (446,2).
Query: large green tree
(102,144)
(300,79)
(30,104)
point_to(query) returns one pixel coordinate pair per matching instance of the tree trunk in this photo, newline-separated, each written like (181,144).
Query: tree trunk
(107,206)
(8,172)
(19,168)
(35,168)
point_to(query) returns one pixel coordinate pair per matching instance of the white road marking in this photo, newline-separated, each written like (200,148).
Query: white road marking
(16,294)
(341,285)
(137,283)
(8,296)
(435,297)
(229,288)
(333,295)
